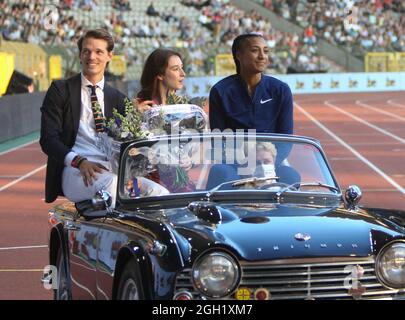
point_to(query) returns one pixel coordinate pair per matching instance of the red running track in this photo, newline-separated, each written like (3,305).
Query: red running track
(363,136)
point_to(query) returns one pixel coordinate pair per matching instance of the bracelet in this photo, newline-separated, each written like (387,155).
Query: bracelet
(80,162)
(77,161)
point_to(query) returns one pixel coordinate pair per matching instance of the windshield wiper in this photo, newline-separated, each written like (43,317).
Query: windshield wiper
(319,184)
(239,182)
(253,181)
(298,185)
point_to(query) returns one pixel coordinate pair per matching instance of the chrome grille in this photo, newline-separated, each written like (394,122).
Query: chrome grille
(305,279)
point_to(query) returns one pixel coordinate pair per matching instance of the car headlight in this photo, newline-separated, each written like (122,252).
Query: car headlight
(216,274)
(390,265)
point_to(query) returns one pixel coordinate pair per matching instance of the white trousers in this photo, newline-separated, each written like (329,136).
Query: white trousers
(74,189)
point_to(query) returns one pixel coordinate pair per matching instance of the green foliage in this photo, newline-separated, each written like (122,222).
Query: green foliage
(129,126)
(181,179)
(175,99)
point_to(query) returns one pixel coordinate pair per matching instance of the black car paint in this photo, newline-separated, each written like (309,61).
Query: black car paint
(345,233)
(136,224)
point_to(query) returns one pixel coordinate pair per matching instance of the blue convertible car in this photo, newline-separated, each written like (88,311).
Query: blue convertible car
(226,216)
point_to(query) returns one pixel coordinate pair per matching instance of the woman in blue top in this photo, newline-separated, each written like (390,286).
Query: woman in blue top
(250,99)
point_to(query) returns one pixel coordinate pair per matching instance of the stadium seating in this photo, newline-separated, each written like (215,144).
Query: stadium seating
(178,26)
(357,26)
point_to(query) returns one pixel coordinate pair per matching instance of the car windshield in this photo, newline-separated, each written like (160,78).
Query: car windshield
(213,163)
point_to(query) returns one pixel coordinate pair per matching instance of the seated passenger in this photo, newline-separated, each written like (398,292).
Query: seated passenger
(266,154)
(138,183)
(173,177)
(143,187)
(158,175)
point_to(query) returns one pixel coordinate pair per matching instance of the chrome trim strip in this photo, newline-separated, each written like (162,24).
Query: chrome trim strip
(308,262)
(294,274)
(169,228)
(294,285)
(263,282)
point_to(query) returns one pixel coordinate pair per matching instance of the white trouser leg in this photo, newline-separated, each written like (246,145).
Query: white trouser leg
(74,189)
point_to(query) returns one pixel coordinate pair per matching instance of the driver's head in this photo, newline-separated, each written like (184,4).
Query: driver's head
(266,154)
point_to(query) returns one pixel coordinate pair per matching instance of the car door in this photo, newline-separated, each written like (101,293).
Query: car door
(110,240)
(83,243)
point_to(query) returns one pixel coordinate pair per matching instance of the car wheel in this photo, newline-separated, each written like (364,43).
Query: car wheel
(63,291)
(130,287)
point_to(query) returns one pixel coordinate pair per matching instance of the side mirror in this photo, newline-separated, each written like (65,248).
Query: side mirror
(352,196)
(102,200)
(98,207)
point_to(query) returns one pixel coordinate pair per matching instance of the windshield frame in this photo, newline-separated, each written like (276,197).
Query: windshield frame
(152,201)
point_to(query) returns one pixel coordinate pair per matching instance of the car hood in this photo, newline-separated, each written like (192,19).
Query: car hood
(285,231)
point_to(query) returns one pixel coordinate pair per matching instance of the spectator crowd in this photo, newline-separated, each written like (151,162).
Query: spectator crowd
(359,25)
(36,22)
(200,37)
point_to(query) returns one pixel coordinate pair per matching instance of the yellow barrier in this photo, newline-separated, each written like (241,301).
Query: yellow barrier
(384,62)
(118,65)
(6,70)
(224,65)
(400,56)
(30,59)
(55,67)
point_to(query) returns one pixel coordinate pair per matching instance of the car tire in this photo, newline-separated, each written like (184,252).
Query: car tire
(130,286)
(63,290)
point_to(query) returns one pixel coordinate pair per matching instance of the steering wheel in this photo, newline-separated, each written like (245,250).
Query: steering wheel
(276,184)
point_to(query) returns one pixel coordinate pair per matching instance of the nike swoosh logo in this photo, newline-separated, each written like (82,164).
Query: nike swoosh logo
(262,102)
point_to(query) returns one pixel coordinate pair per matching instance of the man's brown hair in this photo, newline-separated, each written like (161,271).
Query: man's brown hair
(97,34)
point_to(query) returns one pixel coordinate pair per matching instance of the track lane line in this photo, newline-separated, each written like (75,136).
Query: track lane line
(19,147)
(395,104)
(352,150)
(390,114)
(385,132)
(21,270)
(29,174)
(23,247)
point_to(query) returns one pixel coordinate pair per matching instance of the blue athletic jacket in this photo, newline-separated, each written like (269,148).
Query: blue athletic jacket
(269,111)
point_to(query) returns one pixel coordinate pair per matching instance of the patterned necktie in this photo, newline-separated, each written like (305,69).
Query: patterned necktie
(96,108)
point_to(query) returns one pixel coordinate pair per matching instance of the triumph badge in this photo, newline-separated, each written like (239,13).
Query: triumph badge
(302,237)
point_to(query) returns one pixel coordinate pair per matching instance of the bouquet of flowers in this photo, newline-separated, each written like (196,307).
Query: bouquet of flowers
(175,99)
(127,127)
(178,117)
(121,128)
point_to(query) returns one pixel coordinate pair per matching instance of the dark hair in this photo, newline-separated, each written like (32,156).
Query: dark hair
(155,65)
(238,44)
(97,34)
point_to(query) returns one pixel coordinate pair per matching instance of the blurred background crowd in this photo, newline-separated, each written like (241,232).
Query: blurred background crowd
(202,29)
(371,25)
